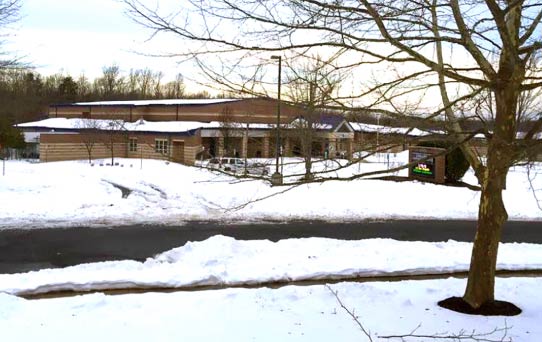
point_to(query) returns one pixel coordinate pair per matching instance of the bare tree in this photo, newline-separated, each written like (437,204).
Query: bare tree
(311,87)
(420,50)
(83,86)
(176,88)
(145,82)
(89,132)
(9,13)
(229,131)
(132,82)
(158,87)
(113,133)
(111,83)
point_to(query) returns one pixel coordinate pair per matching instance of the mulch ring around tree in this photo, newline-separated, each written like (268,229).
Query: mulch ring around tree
(495,308)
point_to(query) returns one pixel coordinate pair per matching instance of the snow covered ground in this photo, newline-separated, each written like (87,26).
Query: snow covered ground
(290,313)
(287,314)
(76,193)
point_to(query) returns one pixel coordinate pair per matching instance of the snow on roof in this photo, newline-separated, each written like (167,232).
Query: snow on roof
(300,122)
(154,102)
(370,128)
(185,126)
(163,126)
(137,126)
(54,123)
(240,125)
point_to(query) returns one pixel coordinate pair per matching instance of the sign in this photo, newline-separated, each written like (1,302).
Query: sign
(428,164)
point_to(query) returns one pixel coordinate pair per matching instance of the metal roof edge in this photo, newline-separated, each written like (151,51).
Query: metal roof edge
(126,103)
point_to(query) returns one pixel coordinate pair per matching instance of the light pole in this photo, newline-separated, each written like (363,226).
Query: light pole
(377,133)
(276,178)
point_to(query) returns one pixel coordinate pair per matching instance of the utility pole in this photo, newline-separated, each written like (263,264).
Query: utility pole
(276,178)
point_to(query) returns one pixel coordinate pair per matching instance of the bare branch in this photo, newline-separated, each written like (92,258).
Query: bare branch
(531,177)
(351,313)
(462,335)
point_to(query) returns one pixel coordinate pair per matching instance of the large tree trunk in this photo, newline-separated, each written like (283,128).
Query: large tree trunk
(492,213)
(491,217)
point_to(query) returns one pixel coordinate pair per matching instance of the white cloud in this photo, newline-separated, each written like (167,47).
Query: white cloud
(84,36)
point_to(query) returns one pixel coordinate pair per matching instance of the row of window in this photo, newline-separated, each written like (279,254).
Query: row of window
(160,145)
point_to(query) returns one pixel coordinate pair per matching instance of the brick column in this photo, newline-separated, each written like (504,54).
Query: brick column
(287,147)
(244,146)
(332,147)
(220,147)
(265,152)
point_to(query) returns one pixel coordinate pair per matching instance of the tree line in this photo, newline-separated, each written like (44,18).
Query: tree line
(25,94)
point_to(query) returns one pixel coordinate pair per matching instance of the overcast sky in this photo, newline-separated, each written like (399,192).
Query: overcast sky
(76,36)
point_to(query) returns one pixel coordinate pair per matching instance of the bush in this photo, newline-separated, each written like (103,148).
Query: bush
(456,163)
(10,137)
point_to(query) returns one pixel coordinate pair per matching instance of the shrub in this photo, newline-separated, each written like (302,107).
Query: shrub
(10,136)
(456,163)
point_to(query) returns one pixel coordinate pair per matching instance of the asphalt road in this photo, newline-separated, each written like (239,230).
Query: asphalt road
(24,250)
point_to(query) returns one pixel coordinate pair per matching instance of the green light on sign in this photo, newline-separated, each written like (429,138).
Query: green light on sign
(422,169)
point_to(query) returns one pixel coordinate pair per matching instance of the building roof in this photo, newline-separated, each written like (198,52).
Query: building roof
(370,128)
(137,126)
(334,120)
(301,122)
(165,102)
(325,122)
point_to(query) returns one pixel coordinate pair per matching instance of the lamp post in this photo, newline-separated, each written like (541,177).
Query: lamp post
(276,178)
(377,133)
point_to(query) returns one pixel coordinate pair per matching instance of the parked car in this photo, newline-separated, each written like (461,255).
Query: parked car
(227,164)
(213,163)
(237,165)
(259,169)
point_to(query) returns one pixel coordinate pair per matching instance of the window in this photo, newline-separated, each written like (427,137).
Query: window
(133,145)
(161,146)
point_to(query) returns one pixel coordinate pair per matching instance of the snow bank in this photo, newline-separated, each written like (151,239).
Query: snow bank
(223,260)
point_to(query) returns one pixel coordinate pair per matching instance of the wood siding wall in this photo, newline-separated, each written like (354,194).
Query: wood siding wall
(61,147)
(50,152)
